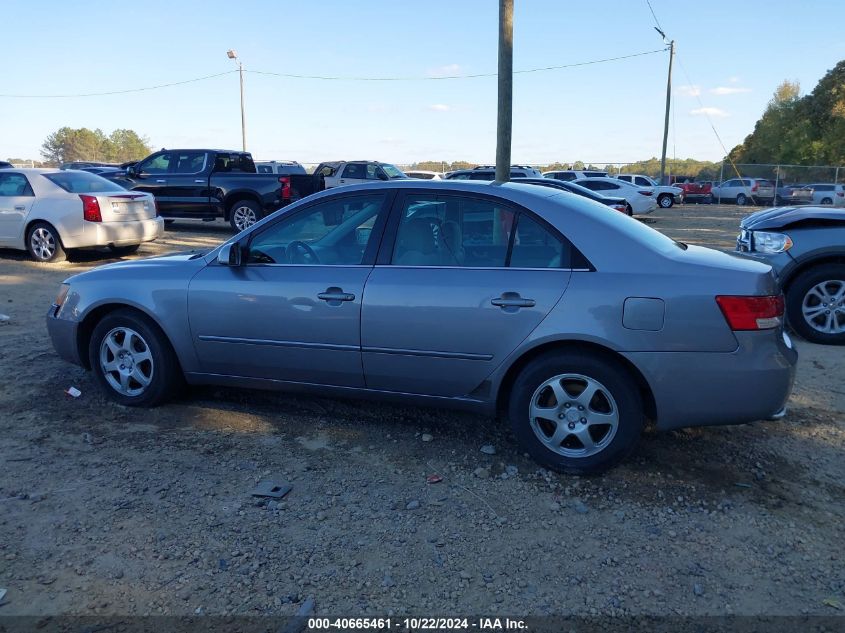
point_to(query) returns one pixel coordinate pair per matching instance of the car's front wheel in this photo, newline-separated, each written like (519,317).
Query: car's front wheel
(44,244)
(815,304)
(827,201)
(665,201)
(133,360)
(244,214)
(576,413)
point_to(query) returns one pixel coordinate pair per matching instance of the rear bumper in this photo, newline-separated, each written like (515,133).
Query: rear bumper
(63,334)
(705,389)
(116,233)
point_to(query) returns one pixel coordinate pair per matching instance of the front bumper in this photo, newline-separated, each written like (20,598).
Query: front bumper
(64,335)
(116,233)
(705,389)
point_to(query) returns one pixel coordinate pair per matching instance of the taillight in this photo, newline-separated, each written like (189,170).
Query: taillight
(90,208)
(840,194)
(754,188)
(646,193)
(751,313)
(285,180)
(158,211)
(619,207)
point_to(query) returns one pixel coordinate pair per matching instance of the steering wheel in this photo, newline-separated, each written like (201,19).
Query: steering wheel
(297,250)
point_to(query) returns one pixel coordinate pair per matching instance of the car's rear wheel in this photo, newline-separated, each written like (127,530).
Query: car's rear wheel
(665,201)
(815,304)
(244,214)
(133,360)
(827,201)
(576,413)
(741,200)
(44,244)
(120,251)
(629,209)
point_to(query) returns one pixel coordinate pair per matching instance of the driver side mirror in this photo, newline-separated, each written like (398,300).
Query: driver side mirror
(382,175)
(229,255)
(132,170)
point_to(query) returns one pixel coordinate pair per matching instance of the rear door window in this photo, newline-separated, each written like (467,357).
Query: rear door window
(14,185)
(189,162)
(642,182)
(354,170)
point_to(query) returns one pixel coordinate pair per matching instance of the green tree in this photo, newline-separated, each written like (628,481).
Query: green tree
(69,144)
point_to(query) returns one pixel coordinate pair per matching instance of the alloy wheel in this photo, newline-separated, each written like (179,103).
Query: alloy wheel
(126,361)
(43,243)
(823,307)
(574,415)
(243,217)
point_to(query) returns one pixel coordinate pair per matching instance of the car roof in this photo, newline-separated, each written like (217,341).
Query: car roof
(510,190)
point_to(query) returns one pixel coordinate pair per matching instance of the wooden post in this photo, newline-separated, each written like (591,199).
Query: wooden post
(504,121)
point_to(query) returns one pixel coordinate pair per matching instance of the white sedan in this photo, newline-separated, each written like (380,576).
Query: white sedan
(640,199)
(47,212)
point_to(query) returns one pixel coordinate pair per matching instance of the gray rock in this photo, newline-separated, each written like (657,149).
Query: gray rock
(412,505)
(488,449)
(388,581)
(697,589)
(427,437)
(580,507)
(511,470)
(481,472)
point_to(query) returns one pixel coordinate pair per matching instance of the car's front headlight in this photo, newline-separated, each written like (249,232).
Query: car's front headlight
(771,242)
(60,299)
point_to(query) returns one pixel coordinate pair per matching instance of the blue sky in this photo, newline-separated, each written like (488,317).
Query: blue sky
(735,52)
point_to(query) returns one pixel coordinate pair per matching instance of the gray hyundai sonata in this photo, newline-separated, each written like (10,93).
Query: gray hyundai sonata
(577,322)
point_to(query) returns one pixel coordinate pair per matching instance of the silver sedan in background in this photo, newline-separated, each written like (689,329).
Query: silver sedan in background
(575,321)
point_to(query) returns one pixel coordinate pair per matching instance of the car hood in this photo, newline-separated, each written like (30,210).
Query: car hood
(782,217)
(187,261)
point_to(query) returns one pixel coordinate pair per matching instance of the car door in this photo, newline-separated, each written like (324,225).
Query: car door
(353,174)
(186,184)
(151,176)
(291,311)
(461,279)
(16,200)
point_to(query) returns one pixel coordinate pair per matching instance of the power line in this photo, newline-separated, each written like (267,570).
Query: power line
(659,28)
(331,78)
(440,78)
(117,92)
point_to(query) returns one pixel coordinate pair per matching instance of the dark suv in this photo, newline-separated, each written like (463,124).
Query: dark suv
(806,248)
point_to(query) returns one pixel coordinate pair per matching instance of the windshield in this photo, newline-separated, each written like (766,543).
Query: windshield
(392,171)
(82,182)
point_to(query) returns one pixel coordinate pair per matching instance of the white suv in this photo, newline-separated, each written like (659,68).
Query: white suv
(574,174)
(666,195)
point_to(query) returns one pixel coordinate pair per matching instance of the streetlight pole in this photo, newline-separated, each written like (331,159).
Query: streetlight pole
(668,103)
(504,121)
(233,55)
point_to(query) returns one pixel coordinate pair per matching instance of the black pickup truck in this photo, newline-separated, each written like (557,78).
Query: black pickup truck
(208,184)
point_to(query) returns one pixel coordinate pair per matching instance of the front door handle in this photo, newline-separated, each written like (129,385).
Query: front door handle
(512,300)
(335,296)
(200,181)
(20,207)
(161,181)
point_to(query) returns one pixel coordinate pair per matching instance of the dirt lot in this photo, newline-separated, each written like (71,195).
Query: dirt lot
(109,510)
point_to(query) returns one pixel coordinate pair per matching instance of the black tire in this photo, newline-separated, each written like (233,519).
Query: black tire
(799,289)
(169,222)
(827,201)
(629,209)
(44,244)
(243,214)
(165,373)
(741,200)
(665,201)
(611,376)
(120,251)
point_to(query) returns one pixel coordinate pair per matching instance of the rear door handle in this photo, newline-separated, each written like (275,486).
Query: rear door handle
(20,207)
(161,181)
(200,181)
(512,300)
(335,296)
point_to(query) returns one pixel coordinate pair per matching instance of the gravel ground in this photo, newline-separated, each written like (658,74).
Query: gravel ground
(106,510)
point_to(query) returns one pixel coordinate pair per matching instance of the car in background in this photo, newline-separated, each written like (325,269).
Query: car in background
(356,172)
(79,164)
(805,246)
(698,192)
(48,212)
(4,164)
(617,204)
(569,175)
(487,172)
(667,195)
(577,323)
(100,170)
(282,167)
(744,191)
(828,193)
(790,195)
(423,174)
(640,200)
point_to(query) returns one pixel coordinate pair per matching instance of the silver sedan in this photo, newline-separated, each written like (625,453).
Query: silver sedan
(575,321)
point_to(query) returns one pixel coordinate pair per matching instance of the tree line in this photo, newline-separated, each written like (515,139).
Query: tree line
(81,144)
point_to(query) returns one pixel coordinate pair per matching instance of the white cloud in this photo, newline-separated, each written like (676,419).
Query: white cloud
(444,71)
(706,111)
(689,91)
(728,90)
(439,107)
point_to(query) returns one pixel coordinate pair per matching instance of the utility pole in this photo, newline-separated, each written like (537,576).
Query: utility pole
(504,122)
(233,55)
(666,121)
